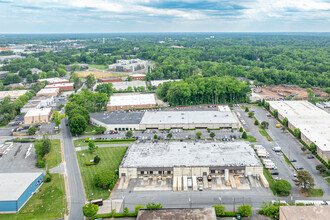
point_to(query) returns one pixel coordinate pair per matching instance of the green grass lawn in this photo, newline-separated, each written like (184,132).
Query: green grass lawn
(315,193)
(90,130)
(51,158)
(264,133)
(110,160)
(81,142)
(328,180)
(251,139)
(99,67)
(48,203)
(270,180)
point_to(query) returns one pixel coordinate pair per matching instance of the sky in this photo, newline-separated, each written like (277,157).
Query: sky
(117,16)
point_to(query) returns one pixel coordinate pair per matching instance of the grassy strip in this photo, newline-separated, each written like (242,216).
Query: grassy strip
(51,159)
(264,133)
(315,193)
(98,67)
(48,203)
(270,180)
(328,180)
(288,161)
(251,139)
(110,160)
(81,142)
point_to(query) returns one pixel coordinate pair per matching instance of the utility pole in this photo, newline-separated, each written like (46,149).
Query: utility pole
(234,204)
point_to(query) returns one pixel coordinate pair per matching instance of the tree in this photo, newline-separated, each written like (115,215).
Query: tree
(245,210)
(256,122)
(275,113)
(105,179)
(304,180)
(154,206)
(246,109)
(240,129)
(100,130)
(198,134)
(264,125)
(138,207)
(90,80)
(282,186)
(271,209)
(90,210)
(244,135)
(91,146)
(77,124)
(285,121)
(129,134)
(126,211)
(32,130)
(251,114)
(129,79)
(47,144)
(97,159)
(155,137)
(321,167)
(313,147)
(212,135)
(219,209)
(169,135)
(29,78)
(105,88)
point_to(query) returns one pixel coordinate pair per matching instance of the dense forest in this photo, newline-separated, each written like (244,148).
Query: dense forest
(204,90)
(302,59)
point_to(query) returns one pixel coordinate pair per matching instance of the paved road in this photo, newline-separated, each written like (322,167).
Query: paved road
(77,195)
(292,149)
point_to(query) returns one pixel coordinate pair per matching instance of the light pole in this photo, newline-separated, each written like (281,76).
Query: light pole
(189,202)
(234,204)
(220,199)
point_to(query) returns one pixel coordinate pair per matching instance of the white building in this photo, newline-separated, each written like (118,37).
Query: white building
(38,116)
(131,101)
(12,94)
(312,121)
(128,65)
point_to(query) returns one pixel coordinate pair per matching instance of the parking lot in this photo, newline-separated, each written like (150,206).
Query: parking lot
(17,157)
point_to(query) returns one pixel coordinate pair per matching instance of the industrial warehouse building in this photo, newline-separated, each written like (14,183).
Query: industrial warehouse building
(121,86)
(312,122)
(38,116)
(52,92)
(190,160)
(131,101)
(12,94)
(52,81)
(16,189)
(61,86)
(223,119)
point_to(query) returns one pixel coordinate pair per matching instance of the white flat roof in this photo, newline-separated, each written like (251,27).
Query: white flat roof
(190,154)
(312,121)
(37,112)
(58,85)
(50,90)
(158,82)
(54,80)
(188,117)
(12,94)
(140,99)
(13,185)
(125,85)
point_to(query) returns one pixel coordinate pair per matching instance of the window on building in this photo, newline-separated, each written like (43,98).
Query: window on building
(151,172)
(142,172)
(168,172)
(160,172)
(212,171)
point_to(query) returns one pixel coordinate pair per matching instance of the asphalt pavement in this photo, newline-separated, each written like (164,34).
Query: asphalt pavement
(76,189)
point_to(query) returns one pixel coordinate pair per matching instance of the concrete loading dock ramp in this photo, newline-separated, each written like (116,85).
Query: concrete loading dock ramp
(185,183)
(175,183)
(194,180)
(264,181)
(180,183)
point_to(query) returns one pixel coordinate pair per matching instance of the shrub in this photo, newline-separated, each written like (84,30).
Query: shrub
(97,159)
(138,207)
(87,139)
(126,211)
(219,209)
(41,162)
(48,177)
(256,122)
(244,135)
(240,129)
(88,163)
(90,210)
(32,130)
(245,210)
(100,130)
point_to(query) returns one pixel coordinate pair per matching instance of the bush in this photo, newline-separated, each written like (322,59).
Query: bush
(32,130)
(303,148)
(97,159)
(219,209)
(90,210)
(41,161)
(88,163)
(244,135)
(229,214)
(256,122)
(245,210)
(100,130)
(240,129)
(48,177)
(87,139)
(138,207)
(126,211)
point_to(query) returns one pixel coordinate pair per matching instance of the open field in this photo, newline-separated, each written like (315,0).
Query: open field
(282,91)
(110,160)
(82,143)
(99,74)
(99,67)
(48,203)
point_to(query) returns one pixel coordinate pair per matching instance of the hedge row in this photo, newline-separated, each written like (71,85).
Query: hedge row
(23,140)
(110,140)
(116,215)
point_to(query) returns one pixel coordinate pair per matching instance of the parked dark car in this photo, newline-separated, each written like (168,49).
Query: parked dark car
(274,173)
(310,157)
(293,160)
(300,168)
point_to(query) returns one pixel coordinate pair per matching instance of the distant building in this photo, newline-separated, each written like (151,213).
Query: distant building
(156,83)
(12,94)
(35,71)
(9,58)
(109,79)
(131,101)
(177,214)
(5,48)
(128,65)
(61,86)
(120,86)
(243,79)
(52,81)
(16,85)
(3,74)
(304,212)
(16,189)
(38,116)
(52,92)
(30,106)
(138,76)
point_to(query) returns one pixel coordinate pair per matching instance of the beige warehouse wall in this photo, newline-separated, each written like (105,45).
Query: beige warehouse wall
(129,172)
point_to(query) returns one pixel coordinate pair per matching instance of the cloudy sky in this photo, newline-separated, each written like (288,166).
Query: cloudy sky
(113,16)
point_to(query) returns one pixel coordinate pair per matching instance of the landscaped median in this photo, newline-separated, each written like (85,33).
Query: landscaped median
(48,203)
(111,158)
(84,142)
